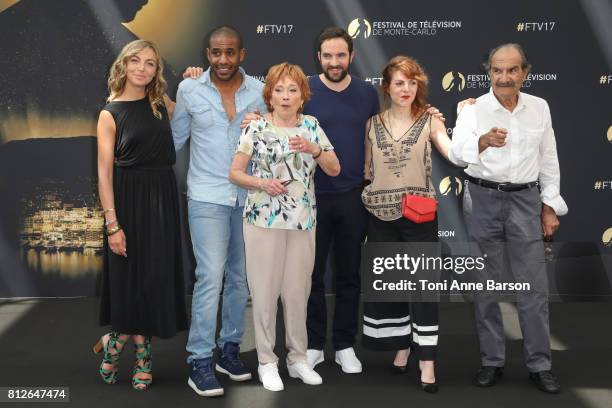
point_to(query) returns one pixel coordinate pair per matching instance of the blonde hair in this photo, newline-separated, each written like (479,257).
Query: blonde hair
(155,90)
(291,71)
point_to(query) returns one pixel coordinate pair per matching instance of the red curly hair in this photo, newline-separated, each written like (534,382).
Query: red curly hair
(412,70)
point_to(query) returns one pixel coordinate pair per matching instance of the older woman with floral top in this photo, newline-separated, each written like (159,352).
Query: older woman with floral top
(284,147)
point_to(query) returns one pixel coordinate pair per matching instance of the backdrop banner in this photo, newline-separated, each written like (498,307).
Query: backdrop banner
(54,61)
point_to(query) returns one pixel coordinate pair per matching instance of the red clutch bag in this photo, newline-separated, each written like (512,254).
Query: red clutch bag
(419,209)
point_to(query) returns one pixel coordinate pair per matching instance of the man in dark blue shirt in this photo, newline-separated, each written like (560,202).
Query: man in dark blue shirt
(342,104)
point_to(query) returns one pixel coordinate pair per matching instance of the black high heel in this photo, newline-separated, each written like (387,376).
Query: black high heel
(430,388)
(398,370)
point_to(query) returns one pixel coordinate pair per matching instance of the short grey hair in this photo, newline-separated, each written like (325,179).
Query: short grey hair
(524,64)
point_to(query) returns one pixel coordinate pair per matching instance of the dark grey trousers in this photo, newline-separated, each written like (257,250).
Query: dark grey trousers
(509,224)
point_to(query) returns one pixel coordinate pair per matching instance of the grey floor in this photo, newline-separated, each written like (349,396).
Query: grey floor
(48,342)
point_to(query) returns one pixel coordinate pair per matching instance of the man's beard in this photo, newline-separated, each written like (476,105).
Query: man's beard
(343,75)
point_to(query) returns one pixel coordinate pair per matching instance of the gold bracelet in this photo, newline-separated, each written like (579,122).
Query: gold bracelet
(113,230)
(109,210)
(107,223)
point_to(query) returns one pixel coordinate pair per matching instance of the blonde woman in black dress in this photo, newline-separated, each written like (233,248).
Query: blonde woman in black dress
(142,285)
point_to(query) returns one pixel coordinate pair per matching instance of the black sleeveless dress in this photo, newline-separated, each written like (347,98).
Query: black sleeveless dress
(144,293)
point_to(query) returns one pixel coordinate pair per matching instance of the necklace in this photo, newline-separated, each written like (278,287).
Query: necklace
(391,128)
(275,121)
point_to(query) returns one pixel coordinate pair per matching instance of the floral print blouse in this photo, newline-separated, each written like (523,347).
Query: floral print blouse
(268,147)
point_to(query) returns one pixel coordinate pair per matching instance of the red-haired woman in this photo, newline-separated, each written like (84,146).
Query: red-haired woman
(398,162)
(285,147)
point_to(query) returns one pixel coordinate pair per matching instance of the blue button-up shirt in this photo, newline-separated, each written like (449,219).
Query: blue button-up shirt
(199,113)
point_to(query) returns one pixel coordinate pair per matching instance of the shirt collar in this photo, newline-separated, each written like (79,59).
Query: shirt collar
(496,106)
(206,79)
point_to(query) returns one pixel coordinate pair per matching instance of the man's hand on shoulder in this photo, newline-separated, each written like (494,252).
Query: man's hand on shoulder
(193,72)
(464,103)
(248,117)
(435,112)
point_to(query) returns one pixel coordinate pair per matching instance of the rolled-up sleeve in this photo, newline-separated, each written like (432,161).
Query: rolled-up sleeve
(181,121)
(550,176)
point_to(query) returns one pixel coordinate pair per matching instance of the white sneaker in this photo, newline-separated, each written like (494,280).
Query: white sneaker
(268,375)
(314,357)
(302,371)
(348,361)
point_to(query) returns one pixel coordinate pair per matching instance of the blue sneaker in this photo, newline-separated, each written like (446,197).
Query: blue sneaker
(202,378)
(230,363)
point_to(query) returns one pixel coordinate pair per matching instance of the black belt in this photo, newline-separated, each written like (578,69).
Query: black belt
(507,187)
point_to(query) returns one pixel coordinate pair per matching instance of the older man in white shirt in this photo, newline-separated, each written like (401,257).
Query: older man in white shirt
(512,197)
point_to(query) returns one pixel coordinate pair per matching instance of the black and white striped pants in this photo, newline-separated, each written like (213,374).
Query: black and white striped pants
(405,325)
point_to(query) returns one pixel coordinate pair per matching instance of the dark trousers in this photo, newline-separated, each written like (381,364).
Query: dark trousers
(514,218)
(341,222)
(402,325)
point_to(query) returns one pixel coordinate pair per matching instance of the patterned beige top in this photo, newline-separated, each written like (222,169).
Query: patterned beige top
(268,147)
(398,167)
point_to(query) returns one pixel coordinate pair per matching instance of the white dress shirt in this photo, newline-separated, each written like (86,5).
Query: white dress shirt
(530,152)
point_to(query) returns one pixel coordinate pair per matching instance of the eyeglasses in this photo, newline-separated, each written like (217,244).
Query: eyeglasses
(290,179)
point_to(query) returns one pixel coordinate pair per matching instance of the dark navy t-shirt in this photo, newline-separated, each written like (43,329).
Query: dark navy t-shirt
(343,116)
